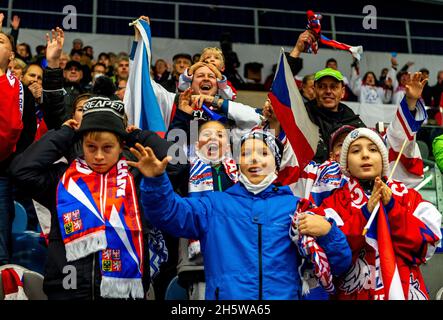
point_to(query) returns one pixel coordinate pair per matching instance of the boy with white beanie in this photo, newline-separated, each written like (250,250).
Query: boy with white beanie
(413,224)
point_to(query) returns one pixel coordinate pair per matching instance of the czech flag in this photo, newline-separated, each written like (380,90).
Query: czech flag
(141,104)
(291,112)
(379,237)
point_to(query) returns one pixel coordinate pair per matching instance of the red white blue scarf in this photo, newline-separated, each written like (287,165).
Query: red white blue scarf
(99,213)
(315,268)
(201,182)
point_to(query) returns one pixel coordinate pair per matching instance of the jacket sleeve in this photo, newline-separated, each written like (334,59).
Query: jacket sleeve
(296,64)
(437,149)
(405,127)
(337,250)
(225,89)
(356,83)
(180,217)
(29,122)
(184,81)
(415,226)
(54,110)
(35,171)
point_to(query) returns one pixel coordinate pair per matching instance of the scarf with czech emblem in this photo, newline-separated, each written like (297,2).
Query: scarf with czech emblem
(99,213)
(315,268)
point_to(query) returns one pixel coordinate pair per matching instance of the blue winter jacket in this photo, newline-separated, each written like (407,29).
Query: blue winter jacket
(247,251)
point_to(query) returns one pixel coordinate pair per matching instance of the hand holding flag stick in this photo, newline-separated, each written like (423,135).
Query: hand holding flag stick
(375,210)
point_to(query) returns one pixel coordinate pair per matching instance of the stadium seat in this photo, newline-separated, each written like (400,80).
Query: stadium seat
(32,283)
(175,291)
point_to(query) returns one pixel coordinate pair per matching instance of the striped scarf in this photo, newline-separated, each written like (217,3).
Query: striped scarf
(99,213)
(201,182)
(315,268)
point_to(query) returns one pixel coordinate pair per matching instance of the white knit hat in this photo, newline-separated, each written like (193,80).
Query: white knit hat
(371,135)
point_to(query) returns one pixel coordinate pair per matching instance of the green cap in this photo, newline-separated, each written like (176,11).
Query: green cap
(328,72)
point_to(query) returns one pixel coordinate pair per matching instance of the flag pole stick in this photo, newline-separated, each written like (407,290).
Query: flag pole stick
(374,212)
(133,22)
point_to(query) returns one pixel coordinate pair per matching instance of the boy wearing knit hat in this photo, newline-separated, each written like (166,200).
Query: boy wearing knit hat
(364,158)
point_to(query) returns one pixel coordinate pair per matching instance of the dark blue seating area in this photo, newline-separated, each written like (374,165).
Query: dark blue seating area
(113,18)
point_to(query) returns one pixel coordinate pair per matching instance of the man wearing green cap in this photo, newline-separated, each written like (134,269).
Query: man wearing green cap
(326,110)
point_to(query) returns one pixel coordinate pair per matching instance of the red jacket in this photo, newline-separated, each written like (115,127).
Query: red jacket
(415,232)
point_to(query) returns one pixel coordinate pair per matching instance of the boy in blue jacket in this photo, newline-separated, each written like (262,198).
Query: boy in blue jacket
(244,230)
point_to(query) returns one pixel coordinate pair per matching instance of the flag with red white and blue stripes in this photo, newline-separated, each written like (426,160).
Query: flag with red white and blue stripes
(291,112)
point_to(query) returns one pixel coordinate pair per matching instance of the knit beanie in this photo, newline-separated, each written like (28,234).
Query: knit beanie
(371,135)
(272,142)
(103,114)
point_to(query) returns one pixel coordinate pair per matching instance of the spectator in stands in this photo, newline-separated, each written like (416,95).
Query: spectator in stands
(307,88)
(364,158)
(122,69)
(121,89)
(326,111)
(427,90)
(383,75)
(24,52)
(103,58)
(161,73)
(437,90)
(17,66)
(102,132)
(18,126)
(215,57)
(437,149)
(367,89)
(97,70)
(349,95)
(399,92)
(77,44)
(89,52)
(64,58)
(196,58)
(33,79)
(73,75)
(180,62)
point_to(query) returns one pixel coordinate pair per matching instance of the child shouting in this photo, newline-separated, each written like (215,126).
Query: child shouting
(244,230)
(413,224)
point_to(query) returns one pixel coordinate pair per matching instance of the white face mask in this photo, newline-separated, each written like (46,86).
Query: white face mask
(257,188)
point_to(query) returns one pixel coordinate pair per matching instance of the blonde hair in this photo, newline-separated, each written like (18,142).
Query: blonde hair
(215,51)
(20,63)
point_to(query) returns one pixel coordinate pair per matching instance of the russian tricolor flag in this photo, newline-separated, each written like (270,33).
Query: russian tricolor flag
(291,112)
(140,101)
(379,237)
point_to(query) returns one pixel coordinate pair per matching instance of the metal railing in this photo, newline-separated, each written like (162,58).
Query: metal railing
(255,14)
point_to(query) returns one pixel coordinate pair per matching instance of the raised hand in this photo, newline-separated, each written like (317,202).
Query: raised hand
(54,47)
(414,88)
(148,164)
(184,102)
(137,33)
(305,38)
(15,22)
(386,193)
(73,124)
(2,17)
(376,195)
